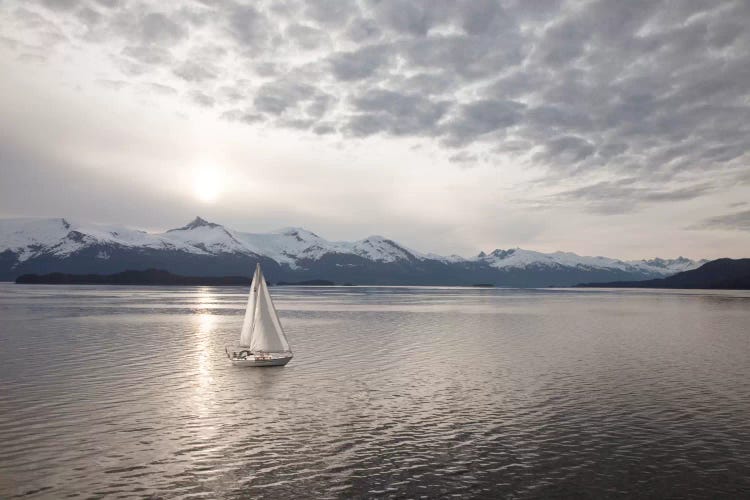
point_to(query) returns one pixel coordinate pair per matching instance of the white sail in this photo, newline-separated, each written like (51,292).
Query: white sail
(252,300)
(261,330)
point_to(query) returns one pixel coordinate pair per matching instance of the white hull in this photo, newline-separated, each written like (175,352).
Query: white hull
(262,361)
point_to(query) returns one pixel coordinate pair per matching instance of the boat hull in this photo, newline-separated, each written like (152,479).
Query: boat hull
(259,361)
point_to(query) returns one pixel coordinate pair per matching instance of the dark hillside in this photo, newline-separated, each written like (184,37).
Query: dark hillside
(726,274)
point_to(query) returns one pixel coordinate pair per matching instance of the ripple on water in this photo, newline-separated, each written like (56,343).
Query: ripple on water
(396,392)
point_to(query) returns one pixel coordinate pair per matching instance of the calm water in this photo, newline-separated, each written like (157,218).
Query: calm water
(396,392)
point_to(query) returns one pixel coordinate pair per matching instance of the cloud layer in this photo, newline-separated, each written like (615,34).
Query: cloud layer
(735,221)
(615,104)
(641,87)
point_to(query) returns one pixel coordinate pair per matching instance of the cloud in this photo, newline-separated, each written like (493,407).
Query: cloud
(306,37)
(481,117)
(566,149)
(156,27)
(626,195)
(193,71)
(158,88)
(329,13)
(145,28)
(358,64)
(294,105)
(60,4)
(653,90)
(395,113)
(738,221)
(202,99)
(247,25)
(146,54)
(362,30)
(464,157)
(472,58)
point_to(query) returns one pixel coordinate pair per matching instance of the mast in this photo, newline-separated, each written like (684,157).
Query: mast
(252,300)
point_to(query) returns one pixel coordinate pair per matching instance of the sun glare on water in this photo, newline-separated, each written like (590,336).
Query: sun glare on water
(207,185)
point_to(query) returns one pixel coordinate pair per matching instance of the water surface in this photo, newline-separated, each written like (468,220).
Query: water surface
(394,392)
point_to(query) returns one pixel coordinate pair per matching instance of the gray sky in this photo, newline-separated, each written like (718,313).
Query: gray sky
(617,128)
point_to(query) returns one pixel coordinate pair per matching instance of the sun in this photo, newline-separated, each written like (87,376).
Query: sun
(207,184)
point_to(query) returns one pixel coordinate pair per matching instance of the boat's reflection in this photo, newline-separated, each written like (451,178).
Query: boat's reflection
(205,329)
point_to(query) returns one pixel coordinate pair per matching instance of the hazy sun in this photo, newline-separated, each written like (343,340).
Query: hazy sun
(207,184)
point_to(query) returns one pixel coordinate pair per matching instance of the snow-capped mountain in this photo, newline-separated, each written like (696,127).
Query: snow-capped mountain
(524,259)
(31,238)
(672,266)
(293,246)
(206,248)
(207,237)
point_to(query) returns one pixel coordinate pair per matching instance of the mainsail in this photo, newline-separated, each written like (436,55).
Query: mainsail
(261,329)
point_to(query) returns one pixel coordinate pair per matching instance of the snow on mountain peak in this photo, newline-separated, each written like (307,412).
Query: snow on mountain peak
(295,247)
(382,249)
(502,254)
(299,233)
(521,258)
(195,224)
(669,266)
(26,236)
(60,237)
(208,236)
(287,245)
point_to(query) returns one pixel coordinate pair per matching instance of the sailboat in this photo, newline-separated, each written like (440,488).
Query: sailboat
(262,340)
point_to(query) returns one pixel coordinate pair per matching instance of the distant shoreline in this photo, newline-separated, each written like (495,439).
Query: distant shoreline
(721,274)
(158,277)
(150,277)
(153,277)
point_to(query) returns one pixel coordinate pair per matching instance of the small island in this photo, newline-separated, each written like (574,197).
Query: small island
(306,283)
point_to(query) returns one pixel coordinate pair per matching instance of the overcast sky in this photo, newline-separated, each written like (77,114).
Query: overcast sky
(617,128)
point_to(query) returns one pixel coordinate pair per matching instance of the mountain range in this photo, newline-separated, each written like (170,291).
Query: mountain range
(202,248)
(724,274)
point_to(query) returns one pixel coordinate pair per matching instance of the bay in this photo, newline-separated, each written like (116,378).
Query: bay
(401,392)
